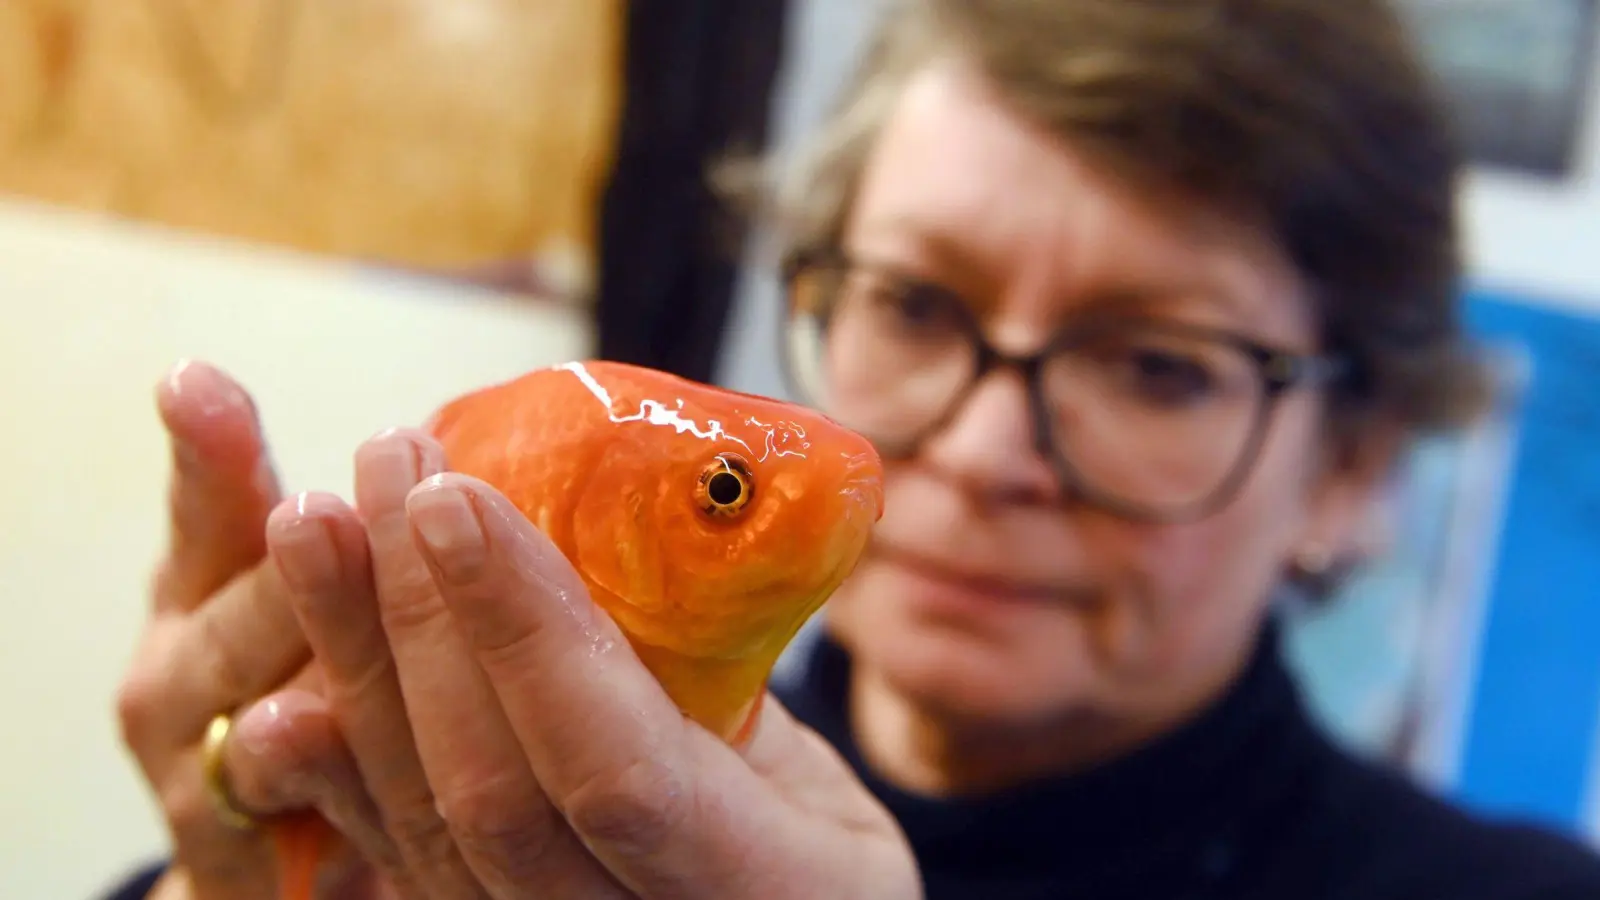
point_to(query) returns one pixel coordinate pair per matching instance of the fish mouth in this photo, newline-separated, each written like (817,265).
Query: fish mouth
(863,509)
(863,485)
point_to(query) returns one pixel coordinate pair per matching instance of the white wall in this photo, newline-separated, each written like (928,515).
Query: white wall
(1540,237)
(93,314)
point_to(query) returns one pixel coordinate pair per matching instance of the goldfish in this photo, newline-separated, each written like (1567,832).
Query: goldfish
(709,524)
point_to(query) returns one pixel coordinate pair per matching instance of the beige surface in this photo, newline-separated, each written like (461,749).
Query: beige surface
(94,313)
(417,131)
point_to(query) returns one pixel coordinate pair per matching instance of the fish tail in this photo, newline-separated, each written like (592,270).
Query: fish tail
(301,844)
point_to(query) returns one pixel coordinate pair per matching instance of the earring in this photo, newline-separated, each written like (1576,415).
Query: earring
(1314,559)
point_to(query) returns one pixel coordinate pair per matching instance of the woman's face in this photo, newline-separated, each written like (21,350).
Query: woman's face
(987,597)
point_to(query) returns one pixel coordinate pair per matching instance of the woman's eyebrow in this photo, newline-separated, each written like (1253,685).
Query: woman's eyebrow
(907,248)
(910,239)
(909,251)
(1175,295)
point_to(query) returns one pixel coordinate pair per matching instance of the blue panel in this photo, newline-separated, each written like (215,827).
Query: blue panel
(1529,744)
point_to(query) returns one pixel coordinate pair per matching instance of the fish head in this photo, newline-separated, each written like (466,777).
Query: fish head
(717,523)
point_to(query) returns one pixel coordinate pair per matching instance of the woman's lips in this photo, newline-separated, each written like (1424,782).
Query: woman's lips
(945,582)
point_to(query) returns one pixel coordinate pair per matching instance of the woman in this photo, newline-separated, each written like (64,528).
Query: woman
(1140,300)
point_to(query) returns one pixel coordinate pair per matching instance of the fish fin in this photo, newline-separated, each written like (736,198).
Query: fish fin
(301,842)
(747,730)
(618,552)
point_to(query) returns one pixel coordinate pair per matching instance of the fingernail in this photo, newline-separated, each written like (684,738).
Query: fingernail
(307,551)
(404,459)
(253,739)
(259,734)
(217,393)
(449,528)
(180,378)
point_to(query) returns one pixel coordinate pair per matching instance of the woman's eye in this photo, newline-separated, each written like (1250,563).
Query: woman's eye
(1166,377)
(920,309)
(915,306)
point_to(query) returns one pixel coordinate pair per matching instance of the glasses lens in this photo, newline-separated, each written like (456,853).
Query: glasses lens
(1152,416)
(882,358)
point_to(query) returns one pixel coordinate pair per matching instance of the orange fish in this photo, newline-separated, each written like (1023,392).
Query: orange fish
(708,523)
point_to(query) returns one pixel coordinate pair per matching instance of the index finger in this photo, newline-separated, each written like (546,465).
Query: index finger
(222,485)
(610,748)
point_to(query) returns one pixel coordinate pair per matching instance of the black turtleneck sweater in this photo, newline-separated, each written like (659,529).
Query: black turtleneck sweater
(1250,801)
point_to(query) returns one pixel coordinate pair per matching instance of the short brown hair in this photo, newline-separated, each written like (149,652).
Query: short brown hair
(1314,116)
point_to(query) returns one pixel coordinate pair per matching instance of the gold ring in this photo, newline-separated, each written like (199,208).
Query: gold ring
(216,778)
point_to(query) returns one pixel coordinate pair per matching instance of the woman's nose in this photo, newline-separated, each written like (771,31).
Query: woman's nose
(990,446)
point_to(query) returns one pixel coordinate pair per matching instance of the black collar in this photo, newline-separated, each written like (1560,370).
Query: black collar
(1179,811)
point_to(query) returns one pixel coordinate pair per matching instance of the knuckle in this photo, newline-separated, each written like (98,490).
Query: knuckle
(371,678)
(184,803)
(137,704)
(412,605)
(162,581)
(417,825)
(493,818)
(222,658)
(507,648)
(634,810)
(142,700)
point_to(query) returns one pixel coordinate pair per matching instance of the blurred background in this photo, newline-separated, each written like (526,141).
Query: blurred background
(363,208)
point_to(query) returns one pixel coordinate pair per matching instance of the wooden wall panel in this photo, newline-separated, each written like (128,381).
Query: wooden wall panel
(428,133)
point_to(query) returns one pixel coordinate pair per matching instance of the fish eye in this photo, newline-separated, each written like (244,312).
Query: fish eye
(725,486)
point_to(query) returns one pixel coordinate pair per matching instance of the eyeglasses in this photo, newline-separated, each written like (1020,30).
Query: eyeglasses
(1150,419)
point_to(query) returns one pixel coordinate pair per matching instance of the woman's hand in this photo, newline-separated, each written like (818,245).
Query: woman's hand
(221,633)
(509,743)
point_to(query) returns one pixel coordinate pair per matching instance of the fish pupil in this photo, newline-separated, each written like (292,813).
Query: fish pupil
(725,488)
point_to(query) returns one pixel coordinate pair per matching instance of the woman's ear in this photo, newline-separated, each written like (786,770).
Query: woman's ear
(1347,521)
